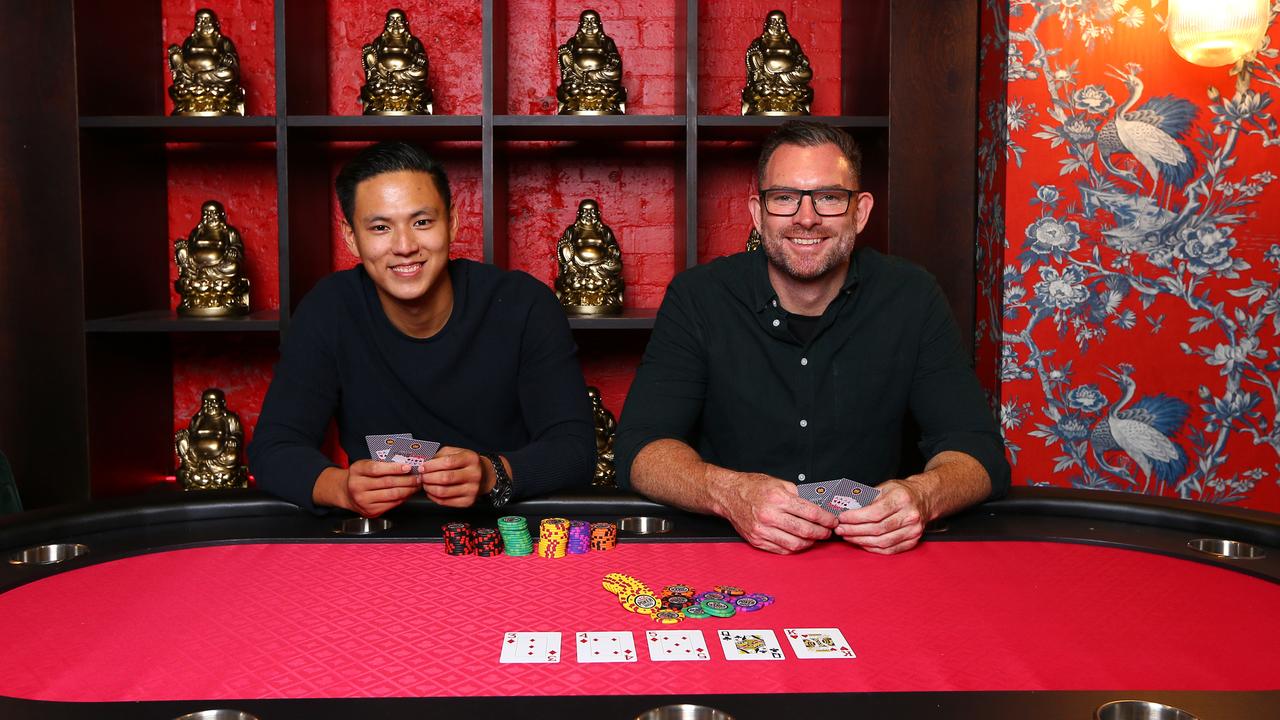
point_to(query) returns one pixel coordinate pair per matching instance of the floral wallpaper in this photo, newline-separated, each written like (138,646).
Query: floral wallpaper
(1129,256)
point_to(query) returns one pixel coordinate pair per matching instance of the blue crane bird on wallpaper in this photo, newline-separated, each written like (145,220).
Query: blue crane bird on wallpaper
(1150,134)
(1144,432)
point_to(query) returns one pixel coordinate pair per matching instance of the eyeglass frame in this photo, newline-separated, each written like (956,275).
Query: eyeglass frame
(764,202)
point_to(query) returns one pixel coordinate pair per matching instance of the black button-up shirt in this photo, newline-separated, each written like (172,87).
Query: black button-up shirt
(724,373)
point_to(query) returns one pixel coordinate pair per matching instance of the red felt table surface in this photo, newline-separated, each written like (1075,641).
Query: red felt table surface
(401,620)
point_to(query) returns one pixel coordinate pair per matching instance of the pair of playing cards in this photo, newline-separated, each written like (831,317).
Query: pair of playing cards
(836,496)
(401,448)
(675,645)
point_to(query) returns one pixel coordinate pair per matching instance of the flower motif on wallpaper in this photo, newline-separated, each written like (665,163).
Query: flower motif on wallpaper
(1141,231)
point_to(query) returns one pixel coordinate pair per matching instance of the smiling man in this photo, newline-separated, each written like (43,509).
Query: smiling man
(799,364)
(476,358)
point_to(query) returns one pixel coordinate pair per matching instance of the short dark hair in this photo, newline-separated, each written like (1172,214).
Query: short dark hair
(809,133)
(385,157)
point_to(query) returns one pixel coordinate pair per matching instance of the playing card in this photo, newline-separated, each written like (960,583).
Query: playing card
(818,643)
(665,645)
(606,647)
(836,496)
(530,647)
(750,645)
(380,445)
(412,451)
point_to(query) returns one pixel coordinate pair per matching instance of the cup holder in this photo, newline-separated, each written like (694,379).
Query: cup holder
(48,554)
(362,526)
(684,712)
(1228,549)
(1140,710)
(637,525)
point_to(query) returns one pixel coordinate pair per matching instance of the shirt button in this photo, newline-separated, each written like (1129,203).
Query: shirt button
(775,303)
(804,361)
(804,423)
(801,477)
(776,323)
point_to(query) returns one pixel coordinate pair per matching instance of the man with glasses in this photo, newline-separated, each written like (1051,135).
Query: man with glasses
(799,364)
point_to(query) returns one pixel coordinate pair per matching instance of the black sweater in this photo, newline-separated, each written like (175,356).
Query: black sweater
(501,376)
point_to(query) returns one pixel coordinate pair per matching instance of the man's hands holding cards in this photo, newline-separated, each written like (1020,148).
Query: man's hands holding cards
(892,524)
(768,513)
(450,476)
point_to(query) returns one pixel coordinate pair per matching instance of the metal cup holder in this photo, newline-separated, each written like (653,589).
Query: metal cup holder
(48,554)
(220,714)
(1229,549)
(362,526)
(684,712)
(1140,710)
(637,525)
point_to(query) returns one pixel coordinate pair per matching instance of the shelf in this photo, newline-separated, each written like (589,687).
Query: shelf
(167,321)
(630,319)
(756,127)
(589,127)
(385,127)
(164,128)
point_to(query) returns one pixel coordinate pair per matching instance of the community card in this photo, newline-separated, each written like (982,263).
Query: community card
(750,645)
(380,445)
(818,643)
(533,648)
(665,645)
(606,647)
(412,451)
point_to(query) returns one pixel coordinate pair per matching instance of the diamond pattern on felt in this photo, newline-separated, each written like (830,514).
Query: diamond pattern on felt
(405,620)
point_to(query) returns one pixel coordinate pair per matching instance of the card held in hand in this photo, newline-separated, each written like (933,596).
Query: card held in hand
(836,496)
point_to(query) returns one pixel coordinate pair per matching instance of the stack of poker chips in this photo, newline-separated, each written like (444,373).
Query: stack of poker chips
(604,536)
(515,535)
(553,538)
(677,602)
(488,542)
(579,537)
(459,539)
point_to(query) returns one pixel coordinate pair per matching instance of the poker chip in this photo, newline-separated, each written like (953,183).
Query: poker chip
(553,538)
(684,590)
(459,539)
(579,537)
(747,604)
(668,617)
(604,536)
(695,612)
(764,600)
(676,602)
(644,603)
(730,590)
(515,535)
(718,608)
(488,542)
(710,596)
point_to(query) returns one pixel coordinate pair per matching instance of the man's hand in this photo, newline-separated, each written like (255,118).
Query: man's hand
(768,513)
(373,487)
(893,523)
(455,477)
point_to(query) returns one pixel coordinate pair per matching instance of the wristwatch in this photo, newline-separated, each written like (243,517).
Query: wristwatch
(501,492)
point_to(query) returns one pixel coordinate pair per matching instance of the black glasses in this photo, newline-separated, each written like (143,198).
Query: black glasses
(827,201)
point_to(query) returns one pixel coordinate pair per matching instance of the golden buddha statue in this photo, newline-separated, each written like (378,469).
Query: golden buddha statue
(395,71)
(206,71)
(606,428)
(209,448)
(590,280)
(753,240)
(211,279)
(590,72)
(778,72)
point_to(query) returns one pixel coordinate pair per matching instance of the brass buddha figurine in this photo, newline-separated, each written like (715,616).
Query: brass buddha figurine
(209,448)
(395,71)
(753,240)
(606,428)
(590,280)
(206,71)
(778,72)
(590,72)
(211,277)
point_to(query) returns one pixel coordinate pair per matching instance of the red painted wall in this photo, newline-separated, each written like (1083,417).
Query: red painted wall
(639,184)
(1139,320)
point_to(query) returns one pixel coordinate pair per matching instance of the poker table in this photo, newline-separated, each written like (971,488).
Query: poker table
(1046,604)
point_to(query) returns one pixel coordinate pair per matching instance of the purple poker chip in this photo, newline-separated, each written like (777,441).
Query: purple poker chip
(747,604)
(713,596)
(764,600)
